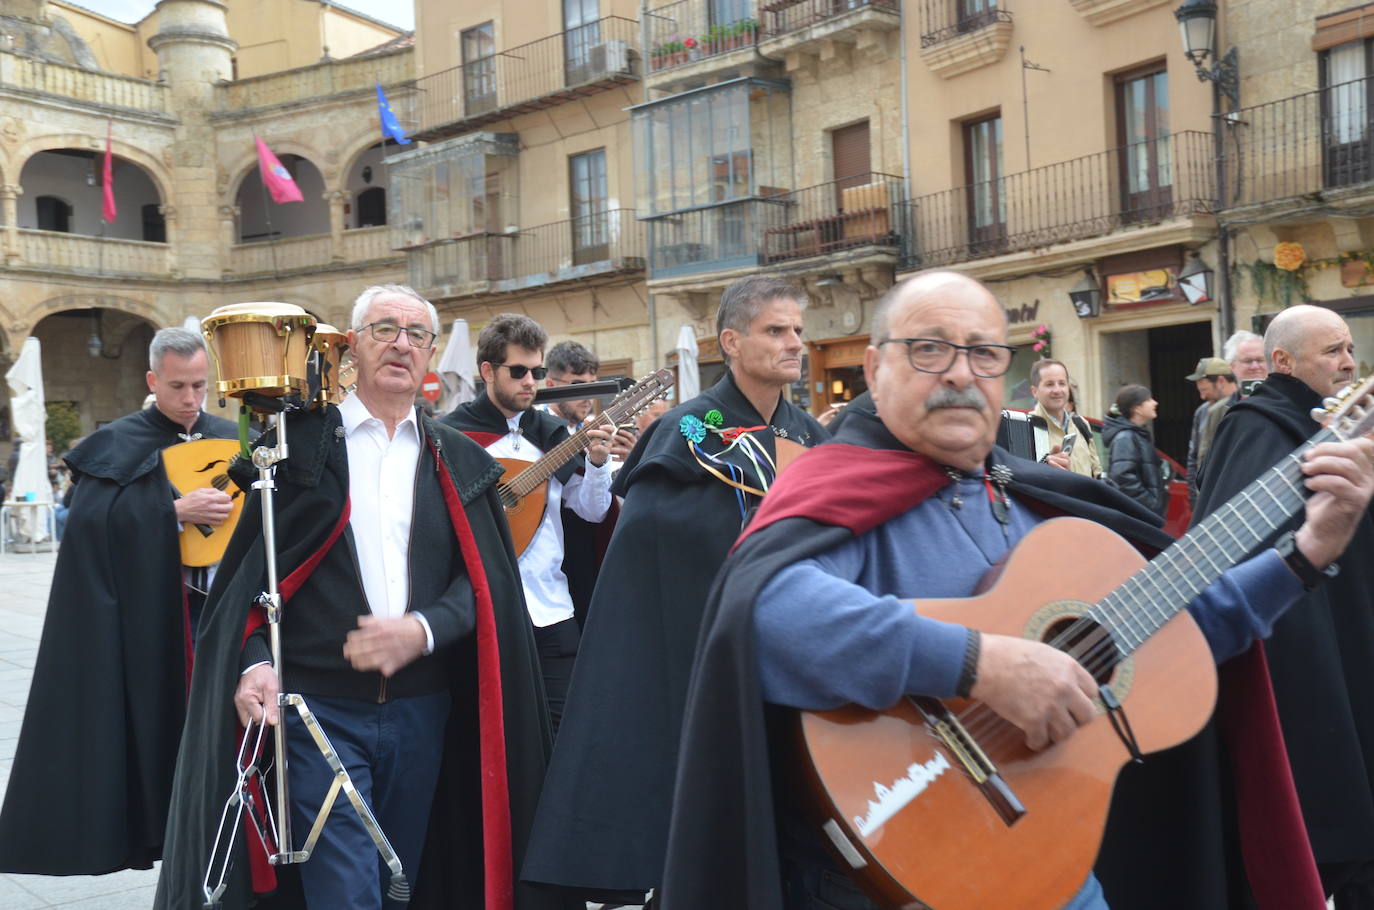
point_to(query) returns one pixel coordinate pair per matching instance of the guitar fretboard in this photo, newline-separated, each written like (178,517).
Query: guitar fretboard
(1155,594)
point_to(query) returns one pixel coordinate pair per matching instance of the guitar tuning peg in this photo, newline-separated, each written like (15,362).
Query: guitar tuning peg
(1317,414)
(1330,404)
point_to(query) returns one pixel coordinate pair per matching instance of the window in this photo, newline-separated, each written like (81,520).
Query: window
(154,225)
(54,214)
(1146,165)
(974,14)
(987,206)
(581,33)
(588,205)
(372,207)
(850,154)
(479,69)
(1346,127)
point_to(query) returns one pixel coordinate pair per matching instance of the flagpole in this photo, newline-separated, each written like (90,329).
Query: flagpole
(267,213)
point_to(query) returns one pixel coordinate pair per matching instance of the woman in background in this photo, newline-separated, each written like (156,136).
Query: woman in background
(1132,463)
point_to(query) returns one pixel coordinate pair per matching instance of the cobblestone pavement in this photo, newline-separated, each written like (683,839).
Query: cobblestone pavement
(24,579)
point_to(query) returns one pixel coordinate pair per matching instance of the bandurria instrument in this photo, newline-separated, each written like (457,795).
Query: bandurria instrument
(939,803)
(263,349)
(523,492)
(191,466)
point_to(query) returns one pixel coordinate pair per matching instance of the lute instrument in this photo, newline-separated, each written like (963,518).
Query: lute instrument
(939,803)
(204,463)
(524,487)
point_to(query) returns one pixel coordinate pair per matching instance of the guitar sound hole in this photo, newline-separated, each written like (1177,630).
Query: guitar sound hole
(1088,642)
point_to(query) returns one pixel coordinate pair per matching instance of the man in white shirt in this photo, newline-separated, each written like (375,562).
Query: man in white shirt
(510,356)
(403,627)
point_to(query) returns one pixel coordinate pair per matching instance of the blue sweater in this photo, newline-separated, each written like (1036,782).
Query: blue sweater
(824,639)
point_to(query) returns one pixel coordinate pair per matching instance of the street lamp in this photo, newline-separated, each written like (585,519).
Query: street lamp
(1086,296)
(1195,281)
(1197,21)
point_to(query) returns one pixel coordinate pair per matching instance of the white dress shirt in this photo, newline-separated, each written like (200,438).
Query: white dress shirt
(541,565)
(381,493)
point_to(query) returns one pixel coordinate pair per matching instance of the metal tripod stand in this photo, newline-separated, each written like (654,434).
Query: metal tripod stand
(273,829)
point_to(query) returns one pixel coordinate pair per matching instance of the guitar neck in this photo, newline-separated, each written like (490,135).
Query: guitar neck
(1155,594)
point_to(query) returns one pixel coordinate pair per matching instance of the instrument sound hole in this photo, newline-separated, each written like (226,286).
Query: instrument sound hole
(1088,642)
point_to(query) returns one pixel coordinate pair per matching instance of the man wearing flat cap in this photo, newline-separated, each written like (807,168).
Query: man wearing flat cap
(1216,385)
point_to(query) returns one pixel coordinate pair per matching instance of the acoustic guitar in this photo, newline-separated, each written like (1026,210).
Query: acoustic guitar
(524,491)
(204,463)
(939,803)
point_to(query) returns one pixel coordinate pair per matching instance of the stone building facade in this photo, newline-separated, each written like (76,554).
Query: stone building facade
(194,230)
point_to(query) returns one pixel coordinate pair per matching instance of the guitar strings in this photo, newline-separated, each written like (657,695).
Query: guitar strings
(1096,648)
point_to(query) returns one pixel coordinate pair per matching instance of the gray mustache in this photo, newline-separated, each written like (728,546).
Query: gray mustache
(947,397)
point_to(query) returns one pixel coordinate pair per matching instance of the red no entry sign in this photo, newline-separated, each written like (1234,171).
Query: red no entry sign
(431,387)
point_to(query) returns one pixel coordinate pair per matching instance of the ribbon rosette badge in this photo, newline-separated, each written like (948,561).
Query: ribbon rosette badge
(691,428)
(715,418)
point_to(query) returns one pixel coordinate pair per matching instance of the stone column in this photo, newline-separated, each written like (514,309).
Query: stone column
(228,219)
(169,220)
(336,200)
(9,199)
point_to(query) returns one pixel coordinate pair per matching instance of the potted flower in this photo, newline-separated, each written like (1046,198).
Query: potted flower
(1040,338)
(719,38)
(669,53)
(693,49)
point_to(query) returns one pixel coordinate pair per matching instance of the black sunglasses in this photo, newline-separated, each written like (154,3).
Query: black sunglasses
(518,370)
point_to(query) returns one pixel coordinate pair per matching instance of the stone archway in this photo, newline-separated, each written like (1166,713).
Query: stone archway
(105,380)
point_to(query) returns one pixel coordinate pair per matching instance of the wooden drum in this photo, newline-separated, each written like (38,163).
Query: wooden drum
(260,347)
(330,346)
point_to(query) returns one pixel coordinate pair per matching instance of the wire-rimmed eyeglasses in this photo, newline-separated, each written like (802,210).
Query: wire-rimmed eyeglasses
(931,355)
(387,332)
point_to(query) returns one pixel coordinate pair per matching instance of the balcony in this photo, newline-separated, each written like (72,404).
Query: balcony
(368,245)
(96,91)
(1317,147)
(320,80)
(779,226)
(594,246)
(687,31)
(276,257)
(962,35)
(530,77)
(786,17)
(84,255)
(1129,187)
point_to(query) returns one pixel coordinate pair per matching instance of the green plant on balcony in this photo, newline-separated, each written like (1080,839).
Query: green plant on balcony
(670,53)
(747,30)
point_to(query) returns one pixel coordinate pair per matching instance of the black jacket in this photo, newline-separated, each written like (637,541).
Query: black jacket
(109,687)
(603,820)
(1133,464)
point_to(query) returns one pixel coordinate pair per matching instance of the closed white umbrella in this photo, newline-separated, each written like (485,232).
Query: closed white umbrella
(25,379)
(688,373)
(458,368)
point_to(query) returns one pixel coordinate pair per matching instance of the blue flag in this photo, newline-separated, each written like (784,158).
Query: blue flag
(391,127)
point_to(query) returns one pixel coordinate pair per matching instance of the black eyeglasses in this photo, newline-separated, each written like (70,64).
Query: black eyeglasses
(930,355)
(387,332)
(518,370)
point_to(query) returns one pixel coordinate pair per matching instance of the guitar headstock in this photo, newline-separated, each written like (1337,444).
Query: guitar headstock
(1350,413)
(640,395)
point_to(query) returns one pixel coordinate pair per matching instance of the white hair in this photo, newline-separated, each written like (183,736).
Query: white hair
(1228,350)
(364,303)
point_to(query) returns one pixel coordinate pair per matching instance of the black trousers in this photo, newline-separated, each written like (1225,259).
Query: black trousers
(557,651)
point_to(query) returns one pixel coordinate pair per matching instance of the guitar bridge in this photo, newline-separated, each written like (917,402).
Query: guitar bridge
(966,750)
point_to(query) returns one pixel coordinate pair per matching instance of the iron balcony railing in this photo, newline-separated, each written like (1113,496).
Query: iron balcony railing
(784,16)
(1143,183)
(488,262)
(1309,143)
(782,226)
(528,77)
(690,30)
(942,20)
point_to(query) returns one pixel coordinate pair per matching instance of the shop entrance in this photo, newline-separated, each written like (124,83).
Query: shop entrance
(1159,358)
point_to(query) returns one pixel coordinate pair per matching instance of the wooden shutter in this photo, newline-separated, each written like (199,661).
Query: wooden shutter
(850,152)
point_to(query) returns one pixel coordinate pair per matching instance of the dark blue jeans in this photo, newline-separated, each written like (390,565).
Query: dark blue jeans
(392,751)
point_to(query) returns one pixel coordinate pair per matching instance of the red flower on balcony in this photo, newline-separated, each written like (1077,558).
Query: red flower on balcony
(690,43)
